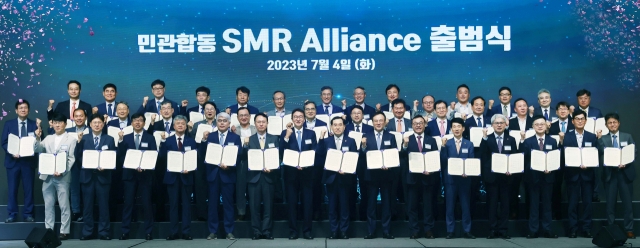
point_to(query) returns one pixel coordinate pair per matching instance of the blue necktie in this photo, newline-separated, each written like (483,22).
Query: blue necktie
(202,110)
(500,144)
(123,124)
(23,129)
(479,122)
(563,123)
(379,141)
(221,139)
(166,126)
(109,111)
(326,109)
(137,141)
(358,128)
(546,114)
(96,142)
(615,141)
(299,138)
(159,107)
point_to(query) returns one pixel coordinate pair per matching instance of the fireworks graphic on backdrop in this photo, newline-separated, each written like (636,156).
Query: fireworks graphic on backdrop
(611,30)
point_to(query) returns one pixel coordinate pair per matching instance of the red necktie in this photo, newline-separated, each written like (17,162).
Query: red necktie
(180,144)
(73,109)
(419,143)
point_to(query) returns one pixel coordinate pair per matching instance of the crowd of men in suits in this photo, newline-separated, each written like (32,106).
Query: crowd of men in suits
(236,187)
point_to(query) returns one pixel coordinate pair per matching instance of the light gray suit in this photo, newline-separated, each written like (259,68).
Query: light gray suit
(193,131)
(241,173)
(59,186)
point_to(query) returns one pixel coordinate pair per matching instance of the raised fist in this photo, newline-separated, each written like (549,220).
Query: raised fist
(51,102)
(94,110)
(378,107)
(185,103)
(364,140)
(205,135)
(491,103)
(444,141)
(344,103)
(452,106)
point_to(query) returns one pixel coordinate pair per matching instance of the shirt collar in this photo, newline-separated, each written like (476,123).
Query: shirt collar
(160,100)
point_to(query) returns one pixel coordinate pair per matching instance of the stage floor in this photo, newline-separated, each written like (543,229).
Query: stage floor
(322,242)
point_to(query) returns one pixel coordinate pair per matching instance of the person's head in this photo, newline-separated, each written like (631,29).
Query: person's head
(521,107)
(539,124)
(478,105)
(393,91)
(418,123)
(441,109)
(279,99)
(398,108)
(337,126)
(499,123)
(357,114)
(379,120)
(504,93)
(310,110)
(59,123)
(244,118)
(242,95)
(137,122)
(73,88)
(326,93)
(584,98)
(96,122)
(359,94)
(613,122)
(428,103)
(109,92)
(297,117)
(544,98)
(157,88)
(457,127)
(122,110)
(202,94)
(261,121)
(463,93)
(210,111)
(562,110)
(223,121)
(22,108)
(579,119)
(79,117)
(180,124)
(166,110)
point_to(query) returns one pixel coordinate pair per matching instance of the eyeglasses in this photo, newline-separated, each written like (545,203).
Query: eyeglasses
(579,119)
(428,102)
(499,123)
(223,120)
(539,124)
(244,115)
(279,99)
(309,109)
(298,117)
(612,122)
(157,88)
(505,94)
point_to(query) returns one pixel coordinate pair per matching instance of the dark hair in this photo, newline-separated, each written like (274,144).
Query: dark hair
(309,102)
(156,82)
(212,104)
(203,89)
(463,86)
(392,86)
(379,113)
(110,85)
(476,98)
(536,117)
(58,117)
(357,107)
(242,108)
(326,88)
(296,110)
(22,101)
(334,118)
(583,92)
(504,88)
(612,115)
(255,118)
(360,87)
(520,99)
(138,115)
(397,101)
(74,82)
(427,95)
(562,103)
(439,102)
(418,116)
(457,120)
(98,116)
(125,104)
(243,89)
(165,102)
(579,112)
(83,112)
(279,91)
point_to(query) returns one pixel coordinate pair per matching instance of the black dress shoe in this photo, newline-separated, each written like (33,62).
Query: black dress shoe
(468,236)
(414,236)
(307,235)
(105,238)
(240,217)
(586,235)
(344,236)
(334,235)
(595,198)
(186,237)
(172,237)
(429,235)
(532,236)
(124,236)
(148,237)
(450,236)
(370,236)
(10,220)
(29,219)
(64,236)
(293,236)
(492,235)
(550,235)
(268,237)
(387,236)
(256,237)
(506,236)
(572,235)
(89,237)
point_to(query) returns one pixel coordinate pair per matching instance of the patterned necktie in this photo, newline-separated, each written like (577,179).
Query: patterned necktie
(96,142)
(615,141)
(500,144)
(479,122)
(299,139)
(358,128)
(379,141)
(326,109)
(458,145)
(261,142)
(419,142)
(221,139)
(201,110)
(180,144)
(23,129)
(546,114)
(109,111)
(399,126)
(123,124)
(563,127)
(166,127)
(158,106)
(541,144)
(137,141)
(442,130)
(504,111)
(73,109)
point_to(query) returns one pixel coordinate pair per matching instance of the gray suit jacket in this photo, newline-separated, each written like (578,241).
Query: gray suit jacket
(193,132)
(391,126)
(48,146)
(239,133)
(272,112)
(606,141)
(254,143)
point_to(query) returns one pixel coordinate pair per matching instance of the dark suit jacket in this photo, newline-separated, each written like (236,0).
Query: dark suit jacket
(364,128)
(63,108)
(572,174)
(86,175)
(449,151)
(514,124)
(13,127)
(555,127)
(497,109)
(594,112)
(320,109)
(319,123)
(228,175)
(488,148)
(292,173)
(254,143)
(378,175)
(116,123)
(171,144)
(128,142)
(433,127)
(406,124)
(472,122)
(151,107)
(368,112)
(252,110)
(386,108)
(159,126)
(413,178)
(552,112)
(605,141)
(330,177)
(531,143)
(102,108)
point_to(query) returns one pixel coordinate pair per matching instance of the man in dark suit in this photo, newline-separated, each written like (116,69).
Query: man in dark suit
(79,118)
(379,180)
(201,186)
(522,121)
(563,124)
(279,101)
(420,184)
(202,97)
(67,107)
(579,180)
(122,120)
(311,122)
(457,186)
(477,119)
(399,124)
(298,180)
(439,126)
(19,168)
(179,185)
(166,122)
(618,181)
(242,97)
(497,185)
(504,107)
(540,183)
(584,104)
(95,182)
(136,179)
(545,109)
(359,94)
(327,108)
(393,92)
(261,183)
(338,183)
(357,125)
(222,178)
(158,89)
(108,107)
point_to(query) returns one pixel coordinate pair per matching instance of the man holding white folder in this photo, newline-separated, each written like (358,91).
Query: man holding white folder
(244,130)
(134,179)
(201,190)
(357,125)
(57,185)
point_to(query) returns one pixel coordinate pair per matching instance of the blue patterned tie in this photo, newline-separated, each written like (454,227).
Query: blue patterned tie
(159,106)
(379,141)
(299,138)
(615,141)
(326,109)
(221,139)
(109,111)
(546,114)
(563,128)
(96,142)
(137,141)
(166,127)
(479,122)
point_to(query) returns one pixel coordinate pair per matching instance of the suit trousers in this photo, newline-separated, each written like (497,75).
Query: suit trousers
(294,189)
(179,196)
(75,191)
(414,193)
(619,185)
(498,192)
(261,192)
(130,189)
(217,188)
(384,188)
(101,193)
(52,190)
(580,190)
(339,206)
(540,195)
(458,191)
(14,175)
(241,187)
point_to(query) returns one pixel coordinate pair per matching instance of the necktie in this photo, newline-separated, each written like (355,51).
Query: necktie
(299,139)
(419,142)
(563,123)
(499,144)
(166,127)
(221,139)
(201,110)
(73,109)
(261,143)
(585,111)
(541,144)
(615,141)
(96,142)
(137,141)
(458,146)
(338,144)
(504,111)
(546,114)
(399,126)
(579,138)
(23,129)
(180,144)
(123,124)
(479,122)
(442,130)
(158,106)
(326,109)
(379,141)
(358,128)
(109,111)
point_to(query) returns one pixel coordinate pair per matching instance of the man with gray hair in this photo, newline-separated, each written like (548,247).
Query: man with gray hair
(496,184)
(544,108)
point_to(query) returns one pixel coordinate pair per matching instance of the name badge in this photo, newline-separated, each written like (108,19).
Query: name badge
(231,144)
(387,143)
(427,146)
(31,134)
(488,125)
(64,147)
(367,117)
(623,143)
(464,150)
(307,142)
(411,129)
(587,144)
(271,145)
(187,148)
(144,144)
(105,147)
(345,149)
(548,147)
(507,148)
